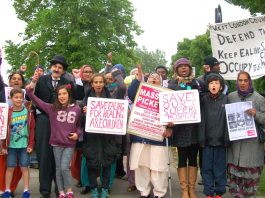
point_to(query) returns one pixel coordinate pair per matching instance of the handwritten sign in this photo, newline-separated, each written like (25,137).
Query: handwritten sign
(240,124)
(108,116)
(7,95)
(240,46)
(144,119)
(3,120)
(179,107)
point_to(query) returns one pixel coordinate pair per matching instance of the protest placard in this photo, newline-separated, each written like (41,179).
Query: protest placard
(108,116)
(7,95)
(144,119)
(240,46)
(3,120)
(240,125)
(179,107)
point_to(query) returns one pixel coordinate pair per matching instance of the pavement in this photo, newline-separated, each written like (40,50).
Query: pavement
(119,188)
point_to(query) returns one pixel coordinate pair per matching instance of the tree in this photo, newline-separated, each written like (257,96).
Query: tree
(195,50)
(150,60)
(84,31)
(254,6)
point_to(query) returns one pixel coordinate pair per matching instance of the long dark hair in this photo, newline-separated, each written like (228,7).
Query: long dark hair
(57,105)
(2,84)
(22,77)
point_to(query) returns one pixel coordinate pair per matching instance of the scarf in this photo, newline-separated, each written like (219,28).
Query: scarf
(247,92)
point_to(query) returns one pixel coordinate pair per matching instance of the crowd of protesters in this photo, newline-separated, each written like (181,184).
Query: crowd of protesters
(50,119)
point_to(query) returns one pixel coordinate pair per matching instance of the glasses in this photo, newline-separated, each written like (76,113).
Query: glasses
(88,72)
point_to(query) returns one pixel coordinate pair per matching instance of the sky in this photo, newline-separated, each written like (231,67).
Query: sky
(164,22)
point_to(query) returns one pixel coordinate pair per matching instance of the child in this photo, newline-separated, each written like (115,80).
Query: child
(213,137)
(65,119)
(19,141)
(100,150)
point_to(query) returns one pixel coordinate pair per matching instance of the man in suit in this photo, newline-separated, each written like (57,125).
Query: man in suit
(46,90)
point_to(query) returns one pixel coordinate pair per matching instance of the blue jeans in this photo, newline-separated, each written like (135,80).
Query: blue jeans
(17,154)
(214,170)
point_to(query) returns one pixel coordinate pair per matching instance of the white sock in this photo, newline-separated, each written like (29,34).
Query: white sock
(7,190)
(26,190)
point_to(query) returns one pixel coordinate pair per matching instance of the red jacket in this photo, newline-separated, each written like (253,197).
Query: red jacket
(31,128)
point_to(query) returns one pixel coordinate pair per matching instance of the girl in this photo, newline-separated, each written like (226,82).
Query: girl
(101,150)
(65,118)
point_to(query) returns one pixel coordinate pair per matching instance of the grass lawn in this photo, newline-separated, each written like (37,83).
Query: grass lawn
(262,184)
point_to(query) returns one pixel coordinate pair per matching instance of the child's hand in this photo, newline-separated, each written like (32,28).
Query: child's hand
(29,150)
(3,151)
(84,109)
(73,136)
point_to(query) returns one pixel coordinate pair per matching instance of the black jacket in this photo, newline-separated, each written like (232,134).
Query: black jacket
(185,135)
(101,150)
(213,127)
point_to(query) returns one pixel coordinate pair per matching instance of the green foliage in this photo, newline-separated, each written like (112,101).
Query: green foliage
(83,31)
(262,184)
(254,6)
(150,60)
(195,50)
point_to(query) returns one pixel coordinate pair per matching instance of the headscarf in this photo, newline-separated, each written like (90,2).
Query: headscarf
(82,71)
(250,86)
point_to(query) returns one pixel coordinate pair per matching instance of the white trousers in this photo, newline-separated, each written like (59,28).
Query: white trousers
(144,177)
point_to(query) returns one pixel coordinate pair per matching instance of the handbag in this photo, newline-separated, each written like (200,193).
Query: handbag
(261,133)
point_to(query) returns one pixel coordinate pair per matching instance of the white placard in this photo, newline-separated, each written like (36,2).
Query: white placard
(179,107)
(3,120)
(107,116)
(144,119)
(240,125)
(240,45)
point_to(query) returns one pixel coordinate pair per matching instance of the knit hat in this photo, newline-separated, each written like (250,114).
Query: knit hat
(182,61)
(121,68)
(214,76)
(211,61)
(61,60)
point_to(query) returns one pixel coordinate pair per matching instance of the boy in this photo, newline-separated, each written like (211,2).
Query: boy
(19,141)
(213,137)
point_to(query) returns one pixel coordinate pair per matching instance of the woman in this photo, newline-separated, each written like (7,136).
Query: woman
(100,150)
(148,158)
(78,168)
(185,135)
(16,79)
(245,157)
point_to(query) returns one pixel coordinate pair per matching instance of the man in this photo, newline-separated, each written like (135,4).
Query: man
(211,65)
(45,90)
(163,72)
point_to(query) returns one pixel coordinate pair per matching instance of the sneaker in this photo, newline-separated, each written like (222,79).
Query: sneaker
(70,195)
(85,190)
(26,194)
(94,193)
(218,196)
(209,197)
(62,196)
(104,193)
(6,194)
